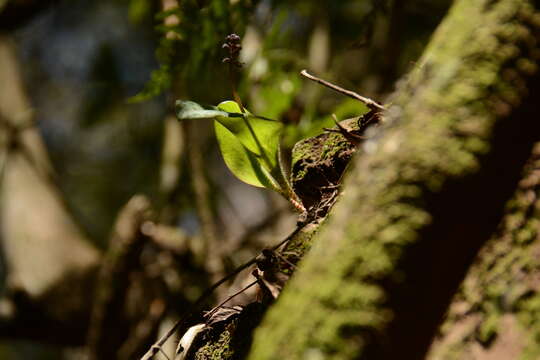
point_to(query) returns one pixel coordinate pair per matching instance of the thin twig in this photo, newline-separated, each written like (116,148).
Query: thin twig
(369,103)
(284,259)
(154,349)
(350,136)
(211,312)
(164,354)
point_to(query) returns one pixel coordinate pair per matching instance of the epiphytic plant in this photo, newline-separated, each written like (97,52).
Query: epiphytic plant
(250,144)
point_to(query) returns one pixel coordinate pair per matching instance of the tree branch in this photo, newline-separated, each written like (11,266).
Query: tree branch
(428,192)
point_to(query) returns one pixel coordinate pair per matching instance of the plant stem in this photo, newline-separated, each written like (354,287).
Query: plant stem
(283,185)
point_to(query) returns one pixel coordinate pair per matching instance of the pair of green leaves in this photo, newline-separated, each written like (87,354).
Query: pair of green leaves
(249,144)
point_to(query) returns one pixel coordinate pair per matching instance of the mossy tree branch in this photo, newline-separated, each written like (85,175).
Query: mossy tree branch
(424,198)
(495,313)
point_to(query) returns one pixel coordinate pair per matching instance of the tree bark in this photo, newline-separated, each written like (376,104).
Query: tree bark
(495,313)
(424,197)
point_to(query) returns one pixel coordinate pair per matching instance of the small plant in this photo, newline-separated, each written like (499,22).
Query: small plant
(250,144)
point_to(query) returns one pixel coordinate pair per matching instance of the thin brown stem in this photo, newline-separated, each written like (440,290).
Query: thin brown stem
(211,312)
(369,103)
(235,94)
(155,348)
(284,259)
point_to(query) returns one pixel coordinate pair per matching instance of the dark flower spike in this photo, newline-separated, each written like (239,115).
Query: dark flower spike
(233,47)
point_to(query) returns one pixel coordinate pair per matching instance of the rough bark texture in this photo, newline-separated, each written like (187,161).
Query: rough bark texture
(495,315)
(428,193)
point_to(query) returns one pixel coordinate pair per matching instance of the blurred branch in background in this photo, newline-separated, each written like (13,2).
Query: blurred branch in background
(46,254)
(110,323)
(171,167)
(213,244)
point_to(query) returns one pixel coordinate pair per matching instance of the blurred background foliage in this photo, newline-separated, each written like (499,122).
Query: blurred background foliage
(103,75)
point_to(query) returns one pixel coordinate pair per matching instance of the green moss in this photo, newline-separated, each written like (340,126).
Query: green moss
(230,339)
(437,130)
(502,280)
(489,327)
(218,350)
(302,150)
(301,243)
(319,149)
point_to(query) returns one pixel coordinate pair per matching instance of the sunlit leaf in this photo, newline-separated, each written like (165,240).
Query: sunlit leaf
(186,110)
(244,164)
(263,137)
(249,144)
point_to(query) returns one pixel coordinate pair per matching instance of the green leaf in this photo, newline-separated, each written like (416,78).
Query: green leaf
(244,164)
(186,110)
(249,144)
(263,137)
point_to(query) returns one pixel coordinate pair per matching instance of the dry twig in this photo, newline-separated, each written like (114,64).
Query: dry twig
(156,347)
(371,104)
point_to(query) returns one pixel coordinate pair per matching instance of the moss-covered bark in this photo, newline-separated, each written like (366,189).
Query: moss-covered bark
(231,339)
(425,197)
(497,310)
